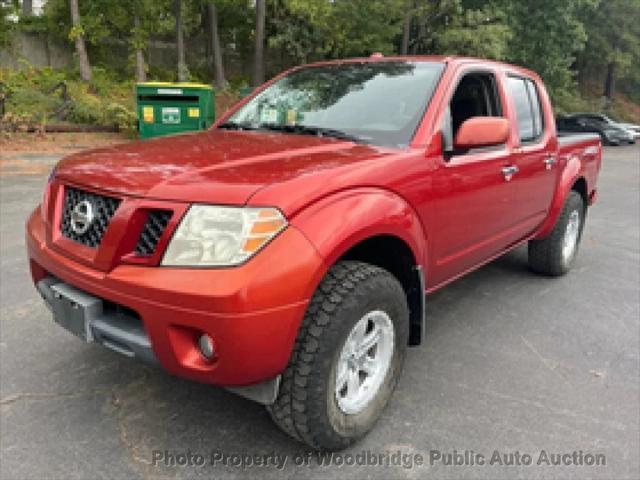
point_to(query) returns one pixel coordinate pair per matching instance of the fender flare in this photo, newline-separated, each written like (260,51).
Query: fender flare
(339,221)
(335,224)
(572,172)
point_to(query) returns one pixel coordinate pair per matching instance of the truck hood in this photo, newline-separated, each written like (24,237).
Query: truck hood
(216,166)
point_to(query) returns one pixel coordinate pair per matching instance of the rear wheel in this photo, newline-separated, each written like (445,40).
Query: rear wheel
(347,357)
(555,254)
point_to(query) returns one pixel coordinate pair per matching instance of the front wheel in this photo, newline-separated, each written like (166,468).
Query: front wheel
(555,254)
(347,357)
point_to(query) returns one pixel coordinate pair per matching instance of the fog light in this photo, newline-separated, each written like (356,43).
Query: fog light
(205,343)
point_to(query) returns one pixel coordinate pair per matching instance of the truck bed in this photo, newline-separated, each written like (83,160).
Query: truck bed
(587,147)
(570,138)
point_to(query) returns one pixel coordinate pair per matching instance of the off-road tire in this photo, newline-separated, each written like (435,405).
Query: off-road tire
(545,255)
(306,407)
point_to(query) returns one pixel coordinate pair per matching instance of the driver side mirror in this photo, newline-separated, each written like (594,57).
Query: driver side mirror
(479,132)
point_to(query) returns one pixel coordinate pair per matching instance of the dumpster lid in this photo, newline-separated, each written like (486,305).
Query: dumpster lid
(175,85)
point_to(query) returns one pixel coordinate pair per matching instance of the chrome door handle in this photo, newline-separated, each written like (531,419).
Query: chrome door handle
(549,161)
(509,171)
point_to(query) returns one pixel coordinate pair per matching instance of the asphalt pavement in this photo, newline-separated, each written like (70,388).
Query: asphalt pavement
(518,372)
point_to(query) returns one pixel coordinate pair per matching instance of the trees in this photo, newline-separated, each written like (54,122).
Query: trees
(258,60)
(456,28)
(216,48)
(183,73)
(77,34)
(141,68)
(406,27)
(548,36)
(613,44)
(592,41)
(339,28)
(477,32)
(8,9)
(27,7)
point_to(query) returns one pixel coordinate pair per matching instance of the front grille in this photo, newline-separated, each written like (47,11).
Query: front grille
(153,229)
(103,209)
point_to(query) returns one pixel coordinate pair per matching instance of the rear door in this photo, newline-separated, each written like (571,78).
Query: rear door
(535,152)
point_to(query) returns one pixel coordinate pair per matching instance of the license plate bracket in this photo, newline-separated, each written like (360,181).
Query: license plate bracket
(74,310)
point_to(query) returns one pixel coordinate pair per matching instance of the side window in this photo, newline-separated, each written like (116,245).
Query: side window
(476,96)
(527,104)
(536,108)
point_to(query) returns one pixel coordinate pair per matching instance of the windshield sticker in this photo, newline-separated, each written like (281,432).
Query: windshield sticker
(292,115)
(269,115)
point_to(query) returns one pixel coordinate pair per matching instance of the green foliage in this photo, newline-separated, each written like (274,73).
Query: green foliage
(613,28)
(476,32)
(8,11)
(37,96)
(563,40)
(122,116)
(103,22)
(341,28)
(548,37)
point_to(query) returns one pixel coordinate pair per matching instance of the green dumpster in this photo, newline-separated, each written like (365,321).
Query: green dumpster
(168,108)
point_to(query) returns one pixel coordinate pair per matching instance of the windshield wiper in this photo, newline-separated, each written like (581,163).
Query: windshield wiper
(317,131)
(300,129)
(237,126)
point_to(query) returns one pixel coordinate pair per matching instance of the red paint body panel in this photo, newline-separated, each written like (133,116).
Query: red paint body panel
(454,213)
(246,310)
(581,160)
(216,166)
(344,219)
(482,132)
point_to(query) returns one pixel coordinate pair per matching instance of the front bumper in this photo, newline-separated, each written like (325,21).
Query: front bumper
(252,312)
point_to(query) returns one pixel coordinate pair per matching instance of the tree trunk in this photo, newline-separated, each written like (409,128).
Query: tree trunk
(27,7)
(422,33)
(610,82)
(141,68)
(258,66)
(81,50)
(218,66)
(406,31)
(183,73)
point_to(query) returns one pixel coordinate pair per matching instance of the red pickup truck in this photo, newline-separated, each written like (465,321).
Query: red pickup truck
(286,252)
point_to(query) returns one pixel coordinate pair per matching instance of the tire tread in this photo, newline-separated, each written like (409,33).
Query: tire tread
(289,411)
(545,255)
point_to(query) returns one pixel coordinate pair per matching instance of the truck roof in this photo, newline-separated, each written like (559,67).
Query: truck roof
(448,59)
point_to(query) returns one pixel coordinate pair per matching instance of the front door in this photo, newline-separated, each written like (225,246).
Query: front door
(473,193)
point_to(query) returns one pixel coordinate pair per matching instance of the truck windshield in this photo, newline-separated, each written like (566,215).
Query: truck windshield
(371,102)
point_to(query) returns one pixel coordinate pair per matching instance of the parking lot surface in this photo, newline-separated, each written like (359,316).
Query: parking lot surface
(514,364)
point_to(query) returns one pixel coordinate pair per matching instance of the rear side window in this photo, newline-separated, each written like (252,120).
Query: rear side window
(528,109)
(536,108)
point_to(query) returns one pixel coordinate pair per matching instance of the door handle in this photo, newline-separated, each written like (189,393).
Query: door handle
(509,171)
(549,161)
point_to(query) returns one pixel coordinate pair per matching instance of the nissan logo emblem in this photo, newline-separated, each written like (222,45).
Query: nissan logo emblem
(82,217)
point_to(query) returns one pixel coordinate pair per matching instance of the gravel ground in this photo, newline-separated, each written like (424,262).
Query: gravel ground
(513,363)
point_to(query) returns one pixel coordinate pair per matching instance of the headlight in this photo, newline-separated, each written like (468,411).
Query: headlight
(46,195)
(222,236)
